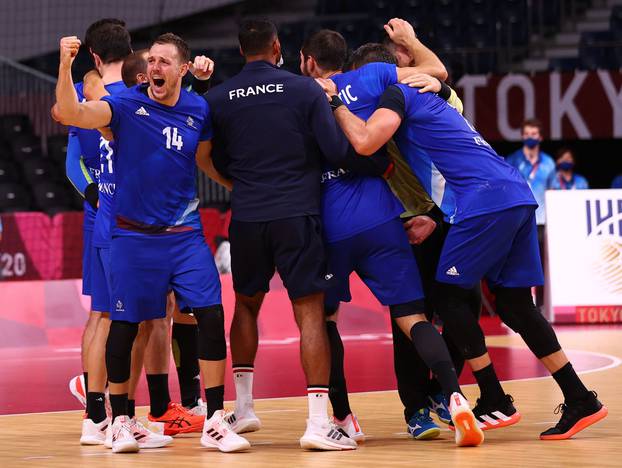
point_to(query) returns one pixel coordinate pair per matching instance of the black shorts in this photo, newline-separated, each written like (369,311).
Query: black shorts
(294,246)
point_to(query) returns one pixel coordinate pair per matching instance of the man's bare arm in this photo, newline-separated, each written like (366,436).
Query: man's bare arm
(425,61)
(205,163)
(94,114)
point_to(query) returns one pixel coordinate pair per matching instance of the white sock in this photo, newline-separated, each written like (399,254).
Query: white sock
(243,379)
(318,403)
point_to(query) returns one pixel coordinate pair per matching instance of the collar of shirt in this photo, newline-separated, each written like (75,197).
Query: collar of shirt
(259,65)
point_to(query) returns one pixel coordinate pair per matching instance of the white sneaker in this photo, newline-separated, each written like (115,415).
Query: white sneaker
(93,433)
(324,435)
(245,422)
(468,433)
(147,439)
(122,437)
(153,426)
(218,434)
(78,389)
(200,409)
(350,425)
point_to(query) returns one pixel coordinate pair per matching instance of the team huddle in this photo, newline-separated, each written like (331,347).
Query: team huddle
(363,164)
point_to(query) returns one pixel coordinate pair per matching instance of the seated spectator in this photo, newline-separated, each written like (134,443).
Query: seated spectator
(617,182)
(564,178)
(535,166)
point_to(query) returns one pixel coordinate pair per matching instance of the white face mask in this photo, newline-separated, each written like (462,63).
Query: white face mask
(280,62)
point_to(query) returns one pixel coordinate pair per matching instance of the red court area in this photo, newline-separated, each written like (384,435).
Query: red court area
(41,324)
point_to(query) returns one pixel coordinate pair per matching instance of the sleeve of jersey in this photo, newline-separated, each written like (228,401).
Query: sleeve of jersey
(387,73)
(393,99)
(115,107)
(76,171)
(207,132)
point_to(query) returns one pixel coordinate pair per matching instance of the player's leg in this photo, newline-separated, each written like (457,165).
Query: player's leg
(138,358)
(97,420)
(388,268)
(78,386)
(516,308)
(300,259)
(252,268)
(139,281)
(185,345)
(196,283)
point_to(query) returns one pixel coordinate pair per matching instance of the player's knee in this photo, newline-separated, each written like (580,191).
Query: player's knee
(406,309)
(212,343)
(516,308)
(119,350)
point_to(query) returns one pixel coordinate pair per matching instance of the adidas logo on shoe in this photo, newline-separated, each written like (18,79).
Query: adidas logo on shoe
(142,111)
(452,272)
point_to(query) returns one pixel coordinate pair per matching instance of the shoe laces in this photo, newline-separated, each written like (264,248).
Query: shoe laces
(423,415)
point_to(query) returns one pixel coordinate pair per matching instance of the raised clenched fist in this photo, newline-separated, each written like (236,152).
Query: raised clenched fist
(69,47)
(202,67)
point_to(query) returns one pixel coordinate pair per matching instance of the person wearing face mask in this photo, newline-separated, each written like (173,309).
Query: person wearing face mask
(564,178)
(535,165)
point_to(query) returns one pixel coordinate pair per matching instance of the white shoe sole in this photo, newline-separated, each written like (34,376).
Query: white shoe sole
(468,433)
(125,447)
(246,425)
(91,440)
(154,444)
(310,443)
(234,448)
(74,391)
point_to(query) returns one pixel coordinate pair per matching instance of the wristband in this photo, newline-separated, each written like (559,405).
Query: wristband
(91,194)
(335,102)
(445,91)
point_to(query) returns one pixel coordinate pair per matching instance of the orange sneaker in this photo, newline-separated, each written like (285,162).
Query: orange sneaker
(178,420)
(576,416)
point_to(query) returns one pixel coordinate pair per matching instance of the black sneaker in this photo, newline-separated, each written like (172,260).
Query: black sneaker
(576,416)
(494,415)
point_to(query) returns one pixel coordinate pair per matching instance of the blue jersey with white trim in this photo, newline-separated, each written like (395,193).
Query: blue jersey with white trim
(82,168)
(352,203)
(433,134)
(155,165)
(106,183)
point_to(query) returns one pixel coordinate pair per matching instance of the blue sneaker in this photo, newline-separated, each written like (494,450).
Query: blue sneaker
(422,427)
(438,405)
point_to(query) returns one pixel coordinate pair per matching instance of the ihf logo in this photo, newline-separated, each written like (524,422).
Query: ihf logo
(604,231)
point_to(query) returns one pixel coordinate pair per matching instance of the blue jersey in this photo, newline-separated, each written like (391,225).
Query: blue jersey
(83,166)
(155,166)
(352,203)
(434,132)
(577,182)
(537,176)
(106,184)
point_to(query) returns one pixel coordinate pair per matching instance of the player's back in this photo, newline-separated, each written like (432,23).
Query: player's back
(262,117)
(352,203)
(481,180)
(155,164)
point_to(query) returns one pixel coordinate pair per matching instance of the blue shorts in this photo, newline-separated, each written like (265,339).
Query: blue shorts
(501,247)
(144,268)
(100,279)
(382,258)
(87,243)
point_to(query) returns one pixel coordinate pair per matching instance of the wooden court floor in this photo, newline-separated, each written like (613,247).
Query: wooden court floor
(51,439)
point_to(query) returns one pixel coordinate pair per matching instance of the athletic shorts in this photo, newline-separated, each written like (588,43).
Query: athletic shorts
(292,246)
(382,258)
(501,247)
(144,268)
(100,279)
(87,237)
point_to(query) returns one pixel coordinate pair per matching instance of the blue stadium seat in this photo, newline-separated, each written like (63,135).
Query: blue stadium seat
(9,172)
(25,145)
(57,147)
(564,64)
(51,197)
(38,170)
(14,124)
(596,51)
(615,21)
(13,197)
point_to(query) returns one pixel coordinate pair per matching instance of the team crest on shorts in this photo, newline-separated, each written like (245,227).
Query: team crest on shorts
(120,307)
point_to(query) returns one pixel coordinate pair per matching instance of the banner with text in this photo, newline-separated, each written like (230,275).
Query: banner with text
(579,105)
(584,247)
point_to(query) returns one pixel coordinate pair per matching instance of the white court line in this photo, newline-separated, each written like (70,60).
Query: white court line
(615,362)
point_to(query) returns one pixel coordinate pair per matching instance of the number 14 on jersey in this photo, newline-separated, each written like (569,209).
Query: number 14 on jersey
(173,138)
